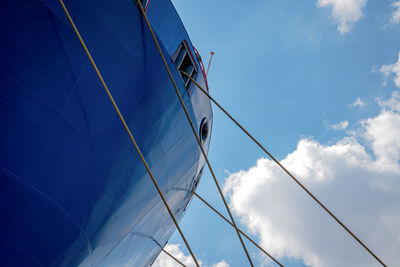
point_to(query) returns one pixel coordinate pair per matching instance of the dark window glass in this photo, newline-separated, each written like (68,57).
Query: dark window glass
(194,78)
(180,57)
(204,130)
(184,63)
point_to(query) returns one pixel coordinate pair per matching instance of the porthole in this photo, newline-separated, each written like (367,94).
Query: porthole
(204,130)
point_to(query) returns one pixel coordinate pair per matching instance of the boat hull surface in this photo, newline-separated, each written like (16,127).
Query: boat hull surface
(73,191)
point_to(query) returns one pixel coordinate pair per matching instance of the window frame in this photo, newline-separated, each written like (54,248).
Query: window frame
(188,84)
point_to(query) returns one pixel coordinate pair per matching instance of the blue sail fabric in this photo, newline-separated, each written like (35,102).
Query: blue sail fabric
(73,191)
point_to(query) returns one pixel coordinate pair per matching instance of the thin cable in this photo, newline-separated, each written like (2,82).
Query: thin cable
(193,128)
(126,128)
(172,256)
(158,244)
(209,62)
(244,234)
(287,172)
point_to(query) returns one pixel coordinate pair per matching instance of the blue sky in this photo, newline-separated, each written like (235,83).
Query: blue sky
(289,71)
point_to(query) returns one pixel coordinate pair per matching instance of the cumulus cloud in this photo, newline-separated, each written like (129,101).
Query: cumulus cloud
(344,12)
(357,103)
(339,126)
(164,260)
(383,133)
(395,18)
(221,264)
(392,70)
(358,178)
(392,103)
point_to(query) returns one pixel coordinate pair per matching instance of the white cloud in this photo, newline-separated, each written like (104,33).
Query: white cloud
(339,126)
(345,12)
(358,181)
(392,103)
(164,260)
(383,134)
(221,264)
(390,69)
(395,19)
(358,103)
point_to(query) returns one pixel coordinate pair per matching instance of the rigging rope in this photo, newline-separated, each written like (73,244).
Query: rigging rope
(193,128)
(158,244)
(244,234)
(285,170)
(174,258)
(126,127)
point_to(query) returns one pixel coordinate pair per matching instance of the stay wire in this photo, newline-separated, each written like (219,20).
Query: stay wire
(159,245)
(244,234)
(126,127)
(193,128)
(287,172)
(173,257)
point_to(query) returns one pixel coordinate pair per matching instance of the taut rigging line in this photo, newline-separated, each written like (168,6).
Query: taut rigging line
(244,234)
(172,257)
(193,129)
(285,170)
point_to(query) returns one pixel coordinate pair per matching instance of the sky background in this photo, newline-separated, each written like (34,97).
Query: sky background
(317,83)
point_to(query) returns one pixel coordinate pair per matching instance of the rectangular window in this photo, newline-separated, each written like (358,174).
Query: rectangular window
(184,62)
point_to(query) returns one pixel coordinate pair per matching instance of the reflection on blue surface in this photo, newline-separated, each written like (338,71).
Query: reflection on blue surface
(73,190)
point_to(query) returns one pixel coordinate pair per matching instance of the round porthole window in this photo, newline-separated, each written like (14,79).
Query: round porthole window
(204,130)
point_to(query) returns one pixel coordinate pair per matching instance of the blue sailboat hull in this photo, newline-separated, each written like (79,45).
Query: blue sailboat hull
(73,191)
